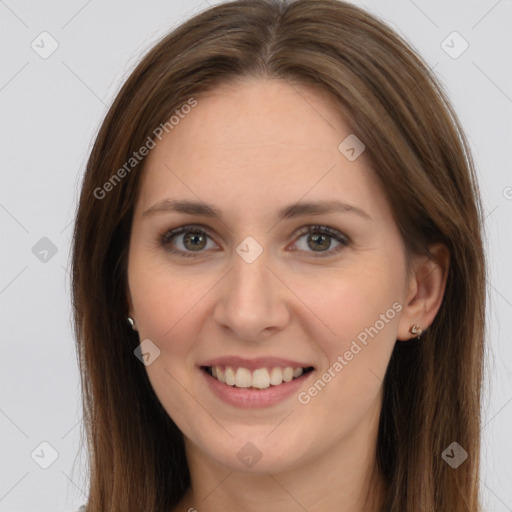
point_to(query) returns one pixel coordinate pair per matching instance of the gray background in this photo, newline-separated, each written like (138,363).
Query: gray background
(50,111)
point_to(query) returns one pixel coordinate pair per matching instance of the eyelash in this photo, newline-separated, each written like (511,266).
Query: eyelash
(166,238)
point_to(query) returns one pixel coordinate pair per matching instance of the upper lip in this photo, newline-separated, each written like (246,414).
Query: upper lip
(253,364)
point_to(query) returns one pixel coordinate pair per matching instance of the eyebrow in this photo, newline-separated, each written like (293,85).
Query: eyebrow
(288,212)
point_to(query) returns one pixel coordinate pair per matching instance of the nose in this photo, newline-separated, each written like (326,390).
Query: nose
(252,300)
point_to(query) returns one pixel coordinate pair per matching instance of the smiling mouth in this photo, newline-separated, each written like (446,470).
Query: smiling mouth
(260,378)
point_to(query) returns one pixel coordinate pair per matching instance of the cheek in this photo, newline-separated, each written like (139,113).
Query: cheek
(361,308)
(164,296)
(354,303)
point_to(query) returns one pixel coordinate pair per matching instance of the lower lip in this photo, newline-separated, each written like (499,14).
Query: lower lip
(249,397)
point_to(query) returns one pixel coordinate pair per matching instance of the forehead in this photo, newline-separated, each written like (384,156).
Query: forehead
(263,141)
(253,113)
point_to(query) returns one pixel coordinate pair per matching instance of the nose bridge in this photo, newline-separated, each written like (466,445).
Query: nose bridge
(250,278)
(252,300)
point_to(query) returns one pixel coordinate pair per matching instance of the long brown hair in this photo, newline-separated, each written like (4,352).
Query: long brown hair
(418,151)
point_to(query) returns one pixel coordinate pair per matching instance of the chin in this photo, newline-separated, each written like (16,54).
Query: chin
(256,450)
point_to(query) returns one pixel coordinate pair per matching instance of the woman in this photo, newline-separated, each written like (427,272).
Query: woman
(278,274)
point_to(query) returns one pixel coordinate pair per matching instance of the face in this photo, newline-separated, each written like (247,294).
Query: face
(245,294)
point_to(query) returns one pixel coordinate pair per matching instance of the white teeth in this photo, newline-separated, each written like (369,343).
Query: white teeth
(297,372)
(230,376)
(243,378)
(260,378)
(276,376)
(288,374)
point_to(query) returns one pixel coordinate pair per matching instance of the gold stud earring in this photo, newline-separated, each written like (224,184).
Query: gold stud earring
(416,330)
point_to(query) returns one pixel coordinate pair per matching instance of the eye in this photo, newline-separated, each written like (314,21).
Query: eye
(194,239)
(320,237)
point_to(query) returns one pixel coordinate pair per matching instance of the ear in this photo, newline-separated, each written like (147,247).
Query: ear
(425,290)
